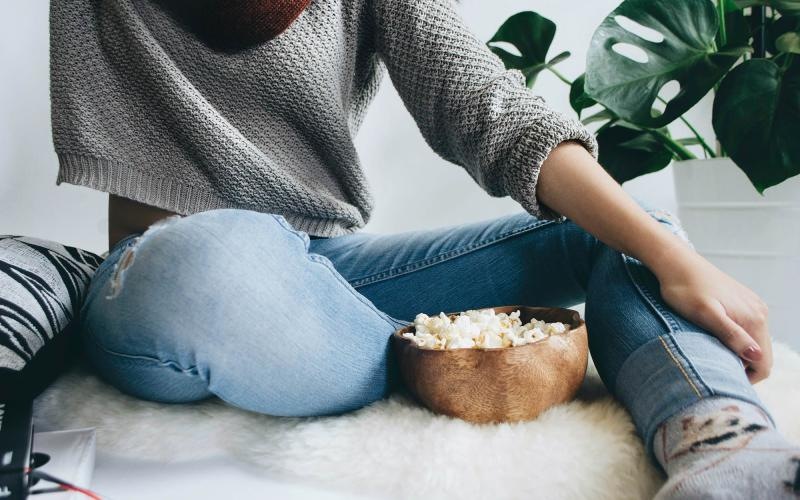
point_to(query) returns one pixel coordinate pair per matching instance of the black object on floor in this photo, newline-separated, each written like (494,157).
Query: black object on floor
(16,444)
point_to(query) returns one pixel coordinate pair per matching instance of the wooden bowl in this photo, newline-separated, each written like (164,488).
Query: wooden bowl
(504,384)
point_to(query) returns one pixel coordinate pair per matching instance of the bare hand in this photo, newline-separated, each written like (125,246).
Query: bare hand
(690,284)
(703,294)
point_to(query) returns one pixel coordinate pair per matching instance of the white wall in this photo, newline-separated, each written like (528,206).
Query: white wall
(413,187)
(30,202)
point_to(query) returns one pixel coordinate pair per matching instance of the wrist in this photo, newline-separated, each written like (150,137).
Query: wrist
(672,255)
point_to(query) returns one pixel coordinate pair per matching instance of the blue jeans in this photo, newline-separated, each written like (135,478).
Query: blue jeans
(238,304)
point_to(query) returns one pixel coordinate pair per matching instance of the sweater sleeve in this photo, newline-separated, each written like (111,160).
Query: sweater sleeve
(469,108)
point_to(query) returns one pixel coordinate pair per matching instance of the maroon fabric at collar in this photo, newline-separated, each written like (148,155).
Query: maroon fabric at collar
(236,24)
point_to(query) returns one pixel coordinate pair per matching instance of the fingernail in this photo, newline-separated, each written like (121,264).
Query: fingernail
(752,353)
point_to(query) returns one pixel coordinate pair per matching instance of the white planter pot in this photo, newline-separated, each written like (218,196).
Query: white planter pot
(754,238)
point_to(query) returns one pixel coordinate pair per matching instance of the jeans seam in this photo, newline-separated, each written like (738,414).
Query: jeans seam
(324,262)
(166,363)
(283,222)
(673,344)
(450,254)
(395,324)
(672,326)
(573,271)
(680,367)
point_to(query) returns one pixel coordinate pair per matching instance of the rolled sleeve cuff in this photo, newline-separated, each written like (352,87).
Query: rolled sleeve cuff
(526,158)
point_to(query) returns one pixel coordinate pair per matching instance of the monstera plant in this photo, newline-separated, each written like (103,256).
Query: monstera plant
(650,61)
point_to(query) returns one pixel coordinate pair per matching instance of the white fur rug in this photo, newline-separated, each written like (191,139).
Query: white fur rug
(584,449)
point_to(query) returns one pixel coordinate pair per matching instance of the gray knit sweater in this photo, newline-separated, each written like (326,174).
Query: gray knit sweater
(143,108)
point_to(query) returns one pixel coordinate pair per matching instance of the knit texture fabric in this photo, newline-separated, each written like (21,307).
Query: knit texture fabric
(146,108)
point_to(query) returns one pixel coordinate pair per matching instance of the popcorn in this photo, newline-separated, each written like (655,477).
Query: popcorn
(479,329)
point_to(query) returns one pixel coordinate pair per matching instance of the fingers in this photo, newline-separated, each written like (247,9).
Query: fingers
(715,318)
(759,370)
(752,316)
(739,340)
(733,313)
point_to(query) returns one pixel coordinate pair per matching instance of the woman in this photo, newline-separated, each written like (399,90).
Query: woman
(223,132)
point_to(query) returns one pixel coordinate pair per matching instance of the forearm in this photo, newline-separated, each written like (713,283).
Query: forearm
(572,183)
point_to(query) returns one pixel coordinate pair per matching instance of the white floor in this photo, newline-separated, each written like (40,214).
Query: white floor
(117,478)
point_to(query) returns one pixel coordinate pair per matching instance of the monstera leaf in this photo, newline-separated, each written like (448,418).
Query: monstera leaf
(531,34)
(785,6)
(578,98)
(682,51)
(627,151)
(756,116)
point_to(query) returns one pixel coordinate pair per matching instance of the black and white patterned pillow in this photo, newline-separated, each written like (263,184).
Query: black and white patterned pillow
(42,287)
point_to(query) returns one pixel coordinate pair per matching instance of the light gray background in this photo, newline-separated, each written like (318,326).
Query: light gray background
(413,187)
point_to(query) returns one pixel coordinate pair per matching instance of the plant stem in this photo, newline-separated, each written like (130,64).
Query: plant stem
(759,31)
(787,62)
(708,151)
(677,149)
(736,51)
(723,31)
(560,76)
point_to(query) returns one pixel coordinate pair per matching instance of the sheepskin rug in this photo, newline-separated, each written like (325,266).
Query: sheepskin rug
(394,448)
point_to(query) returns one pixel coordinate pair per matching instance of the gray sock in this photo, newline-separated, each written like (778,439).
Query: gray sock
(726,448)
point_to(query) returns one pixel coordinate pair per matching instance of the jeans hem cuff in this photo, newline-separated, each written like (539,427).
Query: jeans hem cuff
(671,372)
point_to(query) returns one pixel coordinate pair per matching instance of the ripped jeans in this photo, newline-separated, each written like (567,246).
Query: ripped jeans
(238,304)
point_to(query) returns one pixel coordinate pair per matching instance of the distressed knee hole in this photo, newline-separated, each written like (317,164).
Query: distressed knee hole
(129,254)
(671,221)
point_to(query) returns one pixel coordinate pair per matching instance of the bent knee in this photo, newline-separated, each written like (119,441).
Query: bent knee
(181,267)
(233,227)
(183,253)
